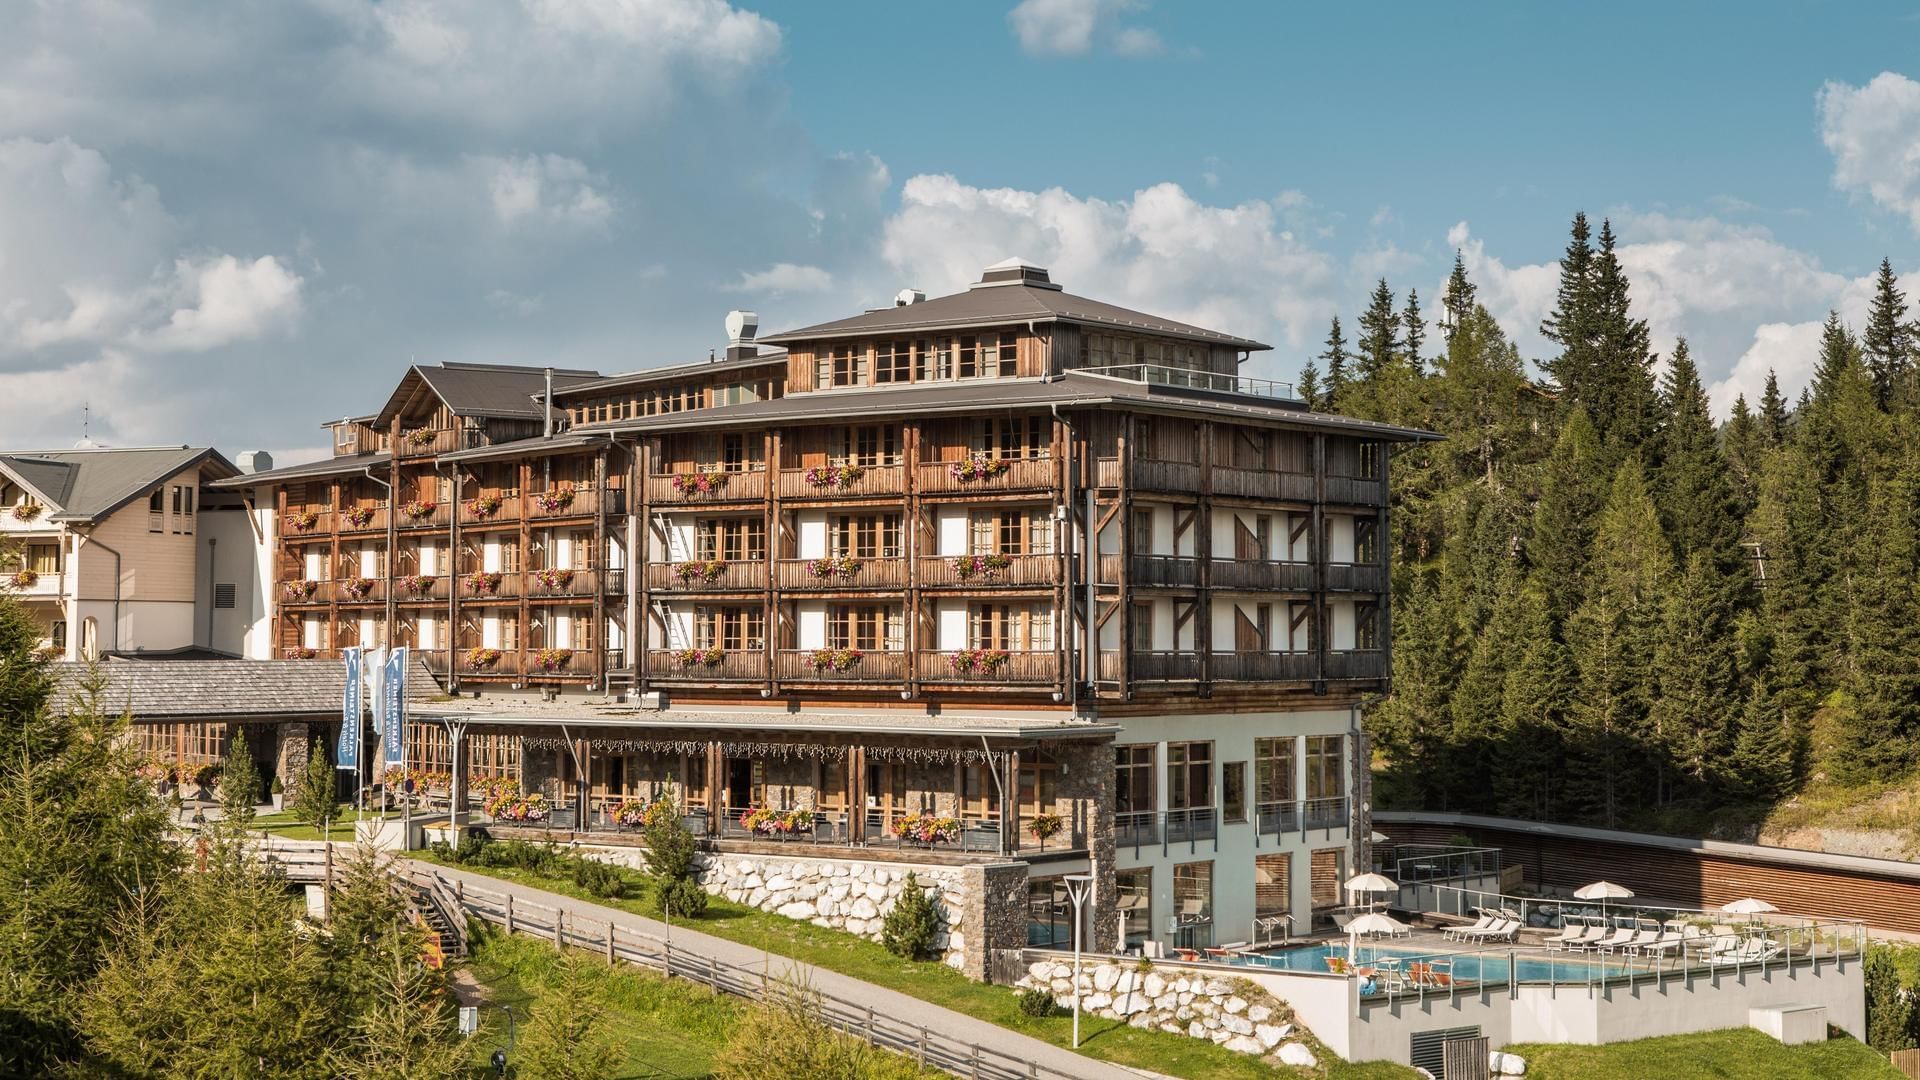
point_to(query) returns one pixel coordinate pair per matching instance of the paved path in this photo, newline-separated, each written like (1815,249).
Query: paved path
(885,1002)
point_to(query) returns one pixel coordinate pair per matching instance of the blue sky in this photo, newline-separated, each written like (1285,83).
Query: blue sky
(226,224)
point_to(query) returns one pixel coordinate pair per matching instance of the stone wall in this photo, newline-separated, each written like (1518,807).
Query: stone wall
(1084,797)
(290,758)
(1233,1013)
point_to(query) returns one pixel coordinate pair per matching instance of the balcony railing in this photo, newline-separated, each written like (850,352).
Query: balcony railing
(294,523)
(481,585)
(1177,571)
(429,442)
(1261,484)
(1356,577)
(701,575)
(434,659)
(687,489)
(840,666)
(557,582)
(1192,824)
(1166,666)
(360,590)
(1325,813)
(847,572)
(361,519)
(1357,664)
(960,477)
(43,585)
(1355,491)
(989,666)
(1196,379)
(423,514)
(614,581)
(1262,574)
(296,591)
(1136,829)
(1263,666)
(1177,476)
(490,508)
(680,665)
(986,571)
(421,588)
(491,662)
(564,501)
(1274,818)
(843,482)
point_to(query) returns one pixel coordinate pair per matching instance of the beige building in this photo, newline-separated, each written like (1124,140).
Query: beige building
(126,550)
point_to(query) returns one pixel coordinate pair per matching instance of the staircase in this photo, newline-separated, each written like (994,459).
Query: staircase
(435,905)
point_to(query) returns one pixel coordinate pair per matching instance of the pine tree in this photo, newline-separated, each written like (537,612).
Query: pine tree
(1766,751)
(1458,301)
(1773,413)
(569,1036)
(1376,390)
(1743,447)
(1337,357)
(1696,704)
(1309,388)
(1414,332)
(1414,726)
(239,785)
(911,924)
(1699,508)
(315,802)
(1887,340)
(1883,740)
(1530,760)
(1570,496)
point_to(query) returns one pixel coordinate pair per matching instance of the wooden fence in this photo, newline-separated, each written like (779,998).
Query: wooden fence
(618,943)
(1908,1062)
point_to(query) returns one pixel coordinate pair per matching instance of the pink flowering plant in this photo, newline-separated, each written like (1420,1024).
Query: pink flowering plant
(984,567)
(698,657)
(551,660)
(837,660)
(24,579)
(976,467)
(763,821)
(482,658)
(833,567)
(834,476)
(414,584)
(302,520)
(700,571)
(483,506)
(515,807)
(553,500)
(419,438)
(301,652)
(927,829)
(357,588)
(978,661)
(358,517)
(299,591)
(27,510)
(699,483)
(418,509)
(552,578)
(485,582)
(1044,827)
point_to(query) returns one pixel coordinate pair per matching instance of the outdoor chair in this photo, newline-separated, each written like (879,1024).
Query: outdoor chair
(1456,932)
(1569,933)
(1619,937)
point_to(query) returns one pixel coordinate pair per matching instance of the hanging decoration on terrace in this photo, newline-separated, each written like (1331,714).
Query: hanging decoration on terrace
(483,506)
(418,509)
(929,755)
(553,500)
(834,476)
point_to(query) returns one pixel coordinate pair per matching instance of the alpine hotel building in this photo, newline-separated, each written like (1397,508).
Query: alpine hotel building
(1040,565)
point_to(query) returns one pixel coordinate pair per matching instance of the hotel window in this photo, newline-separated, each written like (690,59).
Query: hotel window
(1010,532)
(935,359)
(157,510)
(730,539)
(1233,791)
(999,356)
(1273,770)
(1193,904)
(1133,779)
(866,536)
(1143,627)
(892,361)
(1366,625)
(1010,437)
(1272,885)
(43,559)
(870,627)
(1326,778)
(1189,775)
(840,365)
(967,359)
(1369,465)
(735,394)
(1134,889)
(1252,628)
(732,629)
(734,455)
(1366,542)
(1049,913)
(1013,627)
(867,446)
(1143,530)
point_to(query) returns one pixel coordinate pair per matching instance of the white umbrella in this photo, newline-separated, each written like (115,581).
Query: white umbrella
(1378,838)
(1375,922)
(1602,891)
(1748,906)
(1372,883)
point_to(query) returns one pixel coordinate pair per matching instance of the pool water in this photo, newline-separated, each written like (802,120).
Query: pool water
(1467,967)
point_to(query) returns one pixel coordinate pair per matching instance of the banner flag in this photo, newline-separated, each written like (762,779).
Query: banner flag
(347,755)
(393,707)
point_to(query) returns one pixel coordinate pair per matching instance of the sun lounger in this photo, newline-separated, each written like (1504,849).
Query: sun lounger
(1614,941)
(1486,920)
(1570,932)
(1587,937)
(1502,929)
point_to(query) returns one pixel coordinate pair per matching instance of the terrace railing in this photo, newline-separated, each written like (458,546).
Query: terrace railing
(1325,813)
(741,665)
(1021,474)
(730,576)
(670,489)
(837,483)
(973,572)
(1262,574)
(826,575)
(836,666)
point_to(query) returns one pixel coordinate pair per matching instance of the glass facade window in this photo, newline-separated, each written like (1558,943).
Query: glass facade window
(1189,775)
(1193,904)
(1273,770)
(1233,791)
(1049,914)
(1326,777)
(1133,779)
(1134,889)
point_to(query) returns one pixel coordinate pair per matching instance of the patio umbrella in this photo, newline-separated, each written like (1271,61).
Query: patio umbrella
(1748,906)
(1373,922)
(1603,891)
(1378,838)
(1372,883)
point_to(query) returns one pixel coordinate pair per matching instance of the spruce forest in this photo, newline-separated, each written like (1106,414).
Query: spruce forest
(1606,608)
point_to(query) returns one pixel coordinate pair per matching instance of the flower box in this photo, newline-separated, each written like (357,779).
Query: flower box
(357,588)
(299,592)
(553,500)
(27,511)
(483,506)
(976,467)
(301,652)
(698,657)
(418,509)
(984,567)
(838,660)
(699,483)
(519,808)
(419,438)
(833,568)
(777,823)
(553,578)
(978,661)
(551,660)
(927,829)
(414,584)
(302,520)
(701,572)
(482,658)
(24,579)
(485,582)
(358,517)
(833,476)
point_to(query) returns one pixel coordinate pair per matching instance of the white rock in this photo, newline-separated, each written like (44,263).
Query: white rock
(1219,988)
(1105,977)
(1504,1064)
(1239,1025)
(1155,985)
(1182,984)
(1196,1030)
(1220,1037)
(863,908)
(1259,1014)
(1061,971)
(1041,970)
(1061,987)
(1297,1054)
(1244,1045)
(1140,1020)
(1186,997)
(1170,1028)
(1127,983)
(799,909)
(1096,1001)
(1269,1035)
(1236,1004)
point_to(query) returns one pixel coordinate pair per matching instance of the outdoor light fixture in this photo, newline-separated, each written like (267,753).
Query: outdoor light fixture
(1079,887)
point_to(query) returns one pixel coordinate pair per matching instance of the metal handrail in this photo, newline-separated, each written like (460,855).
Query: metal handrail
(1193,378)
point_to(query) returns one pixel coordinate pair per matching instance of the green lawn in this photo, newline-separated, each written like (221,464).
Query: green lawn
(284,823)
(1112,1040)
(1736,1054)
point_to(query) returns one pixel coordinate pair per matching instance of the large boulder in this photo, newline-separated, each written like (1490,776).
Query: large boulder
(1297,1054)
(1503,1064)
(1245,1045)
(1105,977)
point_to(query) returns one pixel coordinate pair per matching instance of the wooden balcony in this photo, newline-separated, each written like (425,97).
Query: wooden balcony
(431,442)
(422,514)
(1262,574)
(1020,474)
(294,526)
(833,483)
(560,584)
(421,588)
(986,571)
(352,520)
(569,502)
(721,487)
(1182,477)
(1156,666)
(1357,664)
(1264,666)
(480,586)
(828,575)
(697,576)
(834,666)
(296,592)
(678,665)
(480,511)
(1356,577)
(614,582)
(1175,571)
(491,663)
(1261,484)
(360,590)
(1355,491)
(989,666)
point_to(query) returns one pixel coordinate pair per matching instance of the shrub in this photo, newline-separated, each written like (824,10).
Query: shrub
(598,878)
(911,925)
(1890,1021)
(681,898)
(1038,1002)
(787,1037)
(316,801)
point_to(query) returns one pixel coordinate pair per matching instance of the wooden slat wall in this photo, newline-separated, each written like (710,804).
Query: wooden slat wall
(1690,879)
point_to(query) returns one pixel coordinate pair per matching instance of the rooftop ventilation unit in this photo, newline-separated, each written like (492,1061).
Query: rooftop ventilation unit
(1015,271)
(742,328)
(908,296)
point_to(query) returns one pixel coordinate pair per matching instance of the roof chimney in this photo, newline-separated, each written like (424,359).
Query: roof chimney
(1015,271)
(742,328)
(255,461)
(908,296)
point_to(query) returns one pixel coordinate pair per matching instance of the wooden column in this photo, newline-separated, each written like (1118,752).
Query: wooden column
(1320,628)
(1203,563)
(716,761)
(597,565)
(857,794)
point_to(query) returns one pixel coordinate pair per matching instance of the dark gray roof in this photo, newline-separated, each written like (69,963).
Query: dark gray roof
(538,446)
(1005,305)
(334,466)
(504,391)
(162,689)
(87,485)
(663,374)
(1074,389)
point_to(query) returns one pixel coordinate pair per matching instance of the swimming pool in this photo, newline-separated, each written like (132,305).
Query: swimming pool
(1467,967)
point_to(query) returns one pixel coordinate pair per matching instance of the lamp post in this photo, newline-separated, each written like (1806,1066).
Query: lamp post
(1079,887)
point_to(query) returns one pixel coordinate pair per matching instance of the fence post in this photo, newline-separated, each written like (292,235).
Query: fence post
(609,942)
(669,959)
(713,972)
(976,1061)
(923,1048)
(870,1041)
(559,931)
(509,914)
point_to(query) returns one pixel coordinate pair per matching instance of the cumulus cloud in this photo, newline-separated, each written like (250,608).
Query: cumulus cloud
(1235,268)
(1791,350)
(1873,132)
(545,188)
(781,278)
(1075,27)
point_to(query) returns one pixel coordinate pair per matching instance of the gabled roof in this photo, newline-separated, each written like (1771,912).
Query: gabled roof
(87,485)
(312,470)
(156,689)
(503,391)
(1009,293)
(668,373)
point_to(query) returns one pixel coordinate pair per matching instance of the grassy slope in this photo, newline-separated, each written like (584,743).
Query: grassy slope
(284,823)
(1738,1054)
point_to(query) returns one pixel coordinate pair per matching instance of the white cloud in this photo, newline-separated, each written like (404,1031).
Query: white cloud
(1873,132)
(1075,27)
(545,188)
(1518,296)
(1233,268)
(1792,349)
(223,300)
(781,278)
